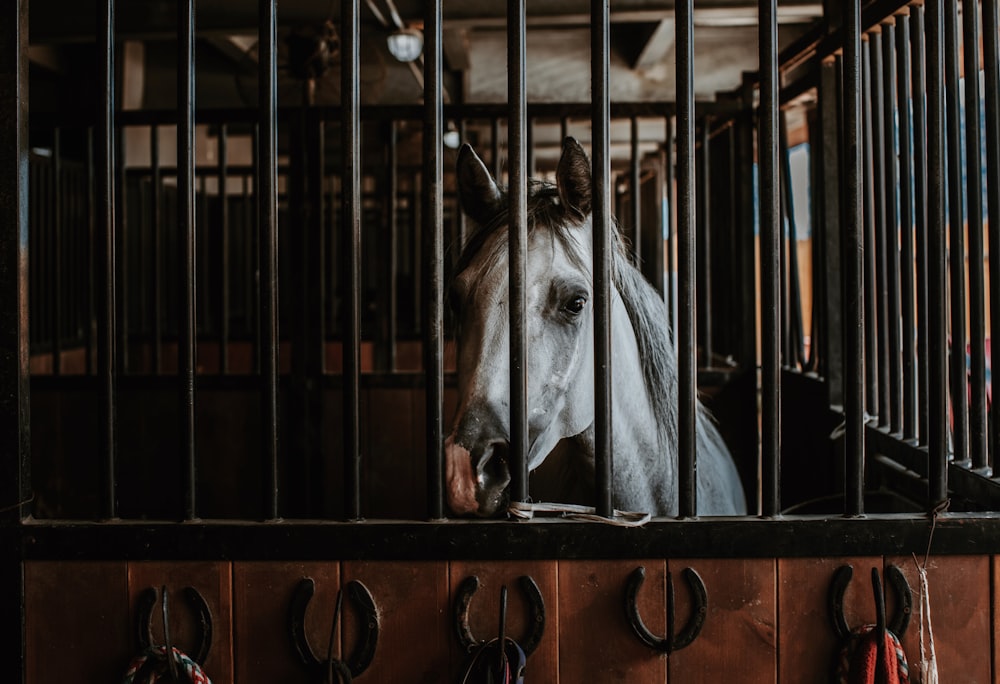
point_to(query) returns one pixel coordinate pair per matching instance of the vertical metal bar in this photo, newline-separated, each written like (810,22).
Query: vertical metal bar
(107,368)
(122,253)
(909,417)
(891,232)
(792,318)
(603,255)
(870,357)
(57,250)
(186,195)
(92,219)
(156,210)
(224,293)
(318,264)
(671,287)
(350,128)
(853,255)
(956,235)
(881,323)
(770,236)
(15,407)
(974,202)
(991,66)
(919,90)
(460,217)
(393,190)
(267,212)
(937,347)
(831,195)
(706,243)
(433,258)
(635,183)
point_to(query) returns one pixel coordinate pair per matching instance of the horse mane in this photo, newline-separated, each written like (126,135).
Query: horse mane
(646,310)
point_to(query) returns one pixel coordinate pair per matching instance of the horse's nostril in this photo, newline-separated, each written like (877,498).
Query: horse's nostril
(493,464)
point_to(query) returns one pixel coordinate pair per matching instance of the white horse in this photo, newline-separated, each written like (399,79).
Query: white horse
(560,358)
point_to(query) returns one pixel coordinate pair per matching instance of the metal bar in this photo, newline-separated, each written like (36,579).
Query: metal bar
(706,244)
(350,188)
(770,237)
(107,367)
(919,90)
(224,275)
(15,407)
(267,217)
(156,208)
(57,250)
(122,283)
(891,232)
(92,208)
(186,342)
(974,223)
(635,184)
(991,66)
(937,347)
(671,230)
(603,254)
(853,254)
(881,321)
(393,191)
(794,334)
(906,292)
(868,212)
(956,235)
(433,260)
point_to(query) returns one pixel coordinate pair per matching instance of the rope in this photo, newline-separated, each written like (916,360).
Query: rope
(856,660)
(526,511)
(151,665)
(928,655)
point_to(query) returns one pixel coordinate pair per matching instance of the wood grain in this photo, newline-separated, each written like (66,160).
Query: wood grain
(738,641)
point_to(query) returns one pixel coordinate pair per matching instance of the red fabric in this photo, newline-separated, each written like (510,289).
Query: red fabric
(859,656)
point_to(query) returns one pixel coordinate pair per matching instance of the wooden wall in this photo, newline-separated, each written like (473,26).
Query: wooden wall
(767,619)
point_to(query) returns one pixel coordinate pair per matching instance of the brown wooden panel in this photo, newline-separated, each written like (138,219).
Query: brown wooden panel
(484,611)
(738,641)
(77,625)
(807,643)
(213,580)
(262,594)
(412,601)
(959,588)
(596,643)
(394,472)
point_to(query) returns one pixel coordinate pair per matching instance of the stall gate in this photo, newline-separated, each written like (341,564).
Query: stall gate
(227,366)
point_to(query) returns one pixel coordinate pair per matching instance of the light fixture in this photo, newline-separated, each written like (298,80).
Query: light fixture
(451,138)
(405,44)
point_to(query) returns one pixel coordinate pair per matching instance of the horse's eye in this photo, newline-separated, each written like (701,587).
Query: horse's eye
(575,305)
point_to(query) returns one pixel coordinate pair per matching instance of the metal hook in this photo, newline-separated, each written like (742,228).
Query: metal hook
(691,630)
(363,654)
(536,605)
(901,588)
(144,627)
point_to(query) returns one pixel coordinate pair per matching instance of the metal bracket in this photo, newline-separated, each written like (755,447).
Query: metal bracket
(144,628)
(894,576)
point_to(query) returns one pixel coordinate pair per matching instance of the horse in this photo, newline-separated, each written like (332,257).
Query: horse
(560,358)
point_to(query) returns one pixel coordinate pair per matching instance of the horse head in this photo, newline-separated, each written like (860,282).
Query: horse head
(558,327)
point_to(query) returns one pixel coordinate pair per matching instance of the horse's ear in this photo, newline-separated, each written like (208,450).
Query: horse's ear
(574,179)
(477,190)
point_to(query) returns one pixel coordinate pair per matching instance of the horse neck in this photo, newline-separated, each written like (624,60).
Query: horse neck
(642,482)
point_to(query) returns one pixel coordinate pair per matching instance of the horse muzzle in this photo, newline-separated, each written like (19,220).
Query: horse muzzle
(476,480)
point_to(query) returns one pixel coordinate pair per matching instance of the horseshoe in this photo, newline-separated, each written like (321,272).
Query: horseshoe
(689,633)
(363,654)
(536,604)
(900,587)
(144,628)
